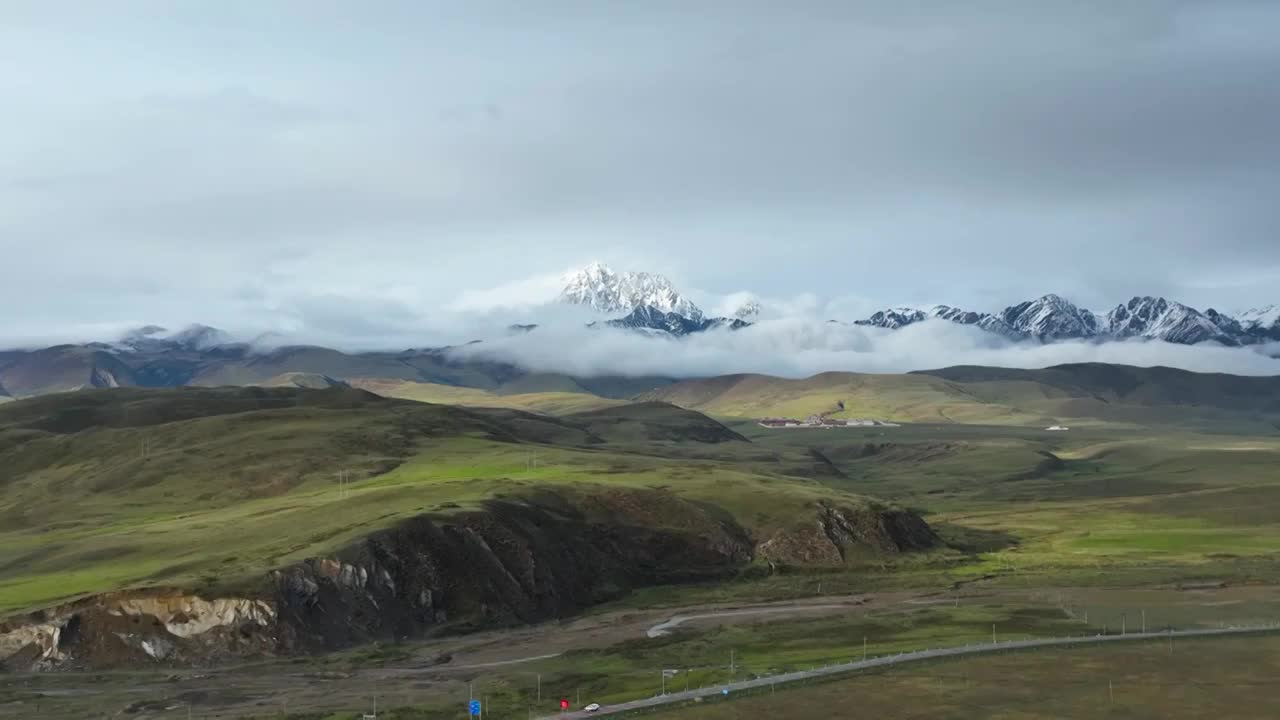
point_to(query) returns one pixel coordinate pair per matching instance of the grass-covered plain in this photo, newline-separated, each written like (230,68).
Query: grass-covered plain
(1221,677)
(127,489)
(1109,524)
(552,402)
(1084,395)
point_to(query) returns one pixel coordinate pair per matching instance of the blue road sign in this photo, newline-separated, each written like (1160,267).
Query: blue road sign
(473,707)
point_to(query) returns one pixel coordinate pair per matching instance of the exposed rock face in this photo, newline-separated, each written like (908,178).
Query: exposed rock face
(514,563)
(124,628)
(511,563)
(186,616)
(37,641)
(837,535)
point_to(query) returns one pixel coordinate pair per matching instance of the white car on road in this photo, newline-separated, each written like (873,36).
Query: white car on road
(593,707)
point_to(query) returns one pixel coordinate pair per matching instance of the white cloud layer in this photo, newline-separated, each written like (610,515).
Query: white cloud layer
(799,347)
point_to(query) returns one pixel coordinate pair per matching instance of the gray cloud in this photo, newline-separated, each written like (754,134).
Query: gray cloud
(352,172)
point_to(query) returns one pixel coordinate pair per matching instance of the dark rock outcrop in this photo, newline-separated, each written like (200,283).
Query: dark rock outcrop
(838,535)
(513,563)
(546,556)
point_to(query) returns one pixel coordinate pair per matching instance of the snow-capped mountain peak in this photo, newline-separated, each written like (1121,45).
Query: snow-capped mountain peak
(985,321)
(598,286)
(894,318)
(1157,318)
(1265,318)
(899,317)
(1051,317)
(193,338)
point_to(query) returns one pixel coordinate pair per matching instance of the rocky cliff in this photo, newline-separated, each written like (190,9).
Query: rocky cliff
(512,562)
(839,535)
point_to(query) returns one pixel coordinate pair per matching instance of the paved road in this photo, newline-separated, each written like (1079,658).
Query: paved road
(679,697)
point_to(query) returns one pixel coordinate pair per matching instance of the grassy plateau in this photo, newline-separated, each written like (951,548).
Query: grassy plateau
(1160,505)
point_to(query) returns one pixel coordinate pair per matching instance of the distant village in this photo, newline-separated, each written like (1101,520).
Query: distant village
(823,420)
(819,421)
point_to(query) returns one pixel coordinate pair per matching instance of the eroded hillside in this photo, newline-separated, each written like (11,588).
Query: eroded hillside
(193,525)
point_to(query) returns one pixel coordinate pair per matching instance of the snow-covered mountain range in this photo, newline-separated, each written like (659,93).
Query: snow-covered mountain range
(651,303)
(1052,318)
(651,319)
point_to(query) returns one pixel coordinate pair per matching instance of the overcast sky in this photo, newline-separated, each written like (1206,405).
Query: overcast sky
(355,168)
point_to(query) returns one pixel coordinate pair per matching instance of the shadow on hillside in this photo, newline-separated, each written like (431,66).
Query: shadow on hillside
(973,540)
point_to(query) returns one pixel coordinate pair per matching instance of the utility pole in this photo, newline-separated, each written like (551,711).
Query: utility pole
(1144,621)
(730,665)
(993,633)
(1111,691)
(663,673)
(864,648)
(539,687)
(1123,629)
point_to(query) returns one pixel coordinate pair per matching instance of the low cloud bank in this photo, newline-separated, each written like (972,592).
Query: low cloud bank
(797,345)
(803,347)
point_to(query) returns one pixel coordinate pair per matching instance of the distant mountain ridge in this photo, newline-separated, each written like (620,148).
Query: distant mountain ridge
(1076,393)
(1053,318)
(181,360)
(651,303)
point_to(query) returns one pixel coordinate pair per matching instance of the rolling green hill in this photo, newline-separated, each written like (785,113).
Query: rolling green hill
(549,402)
(62,368)
(109,489)
(314,381)
(1075,394)
(1154,386)
(907,398)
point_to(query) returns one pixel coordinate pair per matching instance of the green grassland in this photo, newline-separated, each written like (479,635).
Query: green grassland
(1232,677)
(114,489)
(1088,395)
(1094,505)
(551,402)
(702,654)
(906,398)
(1049,533)
(121,494)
